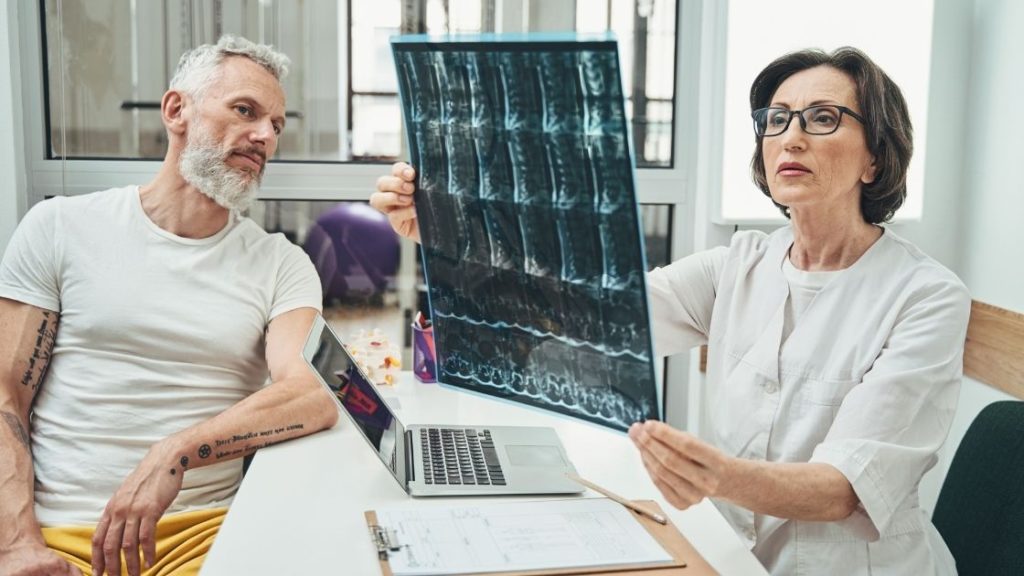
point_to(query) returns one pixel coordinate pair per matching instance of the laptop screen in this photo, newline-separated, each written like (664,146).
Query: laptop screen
(359,398)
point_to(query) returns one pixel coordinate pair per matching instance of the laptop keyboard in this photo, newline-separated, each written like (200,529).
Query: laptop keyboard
(460,456)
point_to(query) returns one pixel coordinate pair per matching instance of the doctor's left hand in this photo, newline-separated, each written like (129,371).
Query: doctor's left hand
(684,468)
(129,520)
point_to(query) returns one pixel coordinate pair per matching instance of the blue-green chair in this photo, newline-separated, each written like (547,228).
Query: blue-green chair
(980,511)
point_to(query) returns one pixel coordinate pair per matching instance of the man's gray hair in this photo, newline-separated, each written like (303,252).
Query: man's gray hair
(198,67)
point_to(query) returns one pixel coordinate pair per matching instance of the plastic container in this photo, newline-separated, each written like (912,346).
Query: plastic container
(424,355)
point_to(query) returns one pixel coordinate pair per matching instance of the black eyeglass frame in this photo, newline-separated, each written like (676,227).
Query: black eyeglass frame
(803,121)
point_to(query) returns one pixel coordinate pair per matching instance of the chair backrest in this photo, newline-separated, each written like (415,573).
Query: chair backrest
(980,511)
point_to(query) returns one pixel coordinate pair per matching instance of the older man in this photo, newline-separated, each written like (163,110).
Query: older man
(138,326)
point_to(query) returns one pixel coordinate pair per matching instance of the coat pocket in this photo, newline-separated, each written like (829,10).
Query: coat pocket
(820,391)
(829,548)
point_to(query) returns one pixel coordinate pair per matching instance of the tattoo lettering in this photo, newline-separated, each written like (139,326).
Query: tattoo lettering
(17,429)
(248,448)
(268,437)
(241,438)
(46,335)
(204,451)
(184,462)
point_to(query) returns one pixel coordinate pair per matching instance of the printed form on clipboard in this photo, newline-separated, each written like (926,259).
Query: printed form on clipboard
(515,537)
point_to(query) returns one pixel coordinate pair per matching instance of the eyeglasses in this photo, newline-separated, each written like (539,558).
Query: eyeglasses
(816,120)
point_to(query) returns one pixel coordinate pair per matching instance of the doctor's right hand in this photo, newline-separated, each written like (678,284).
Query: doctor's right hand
(394,198)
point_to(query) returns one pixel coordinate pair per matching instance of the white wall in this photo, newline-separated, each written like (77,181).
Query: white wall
(939,229)
(994,188)
(12,158)
(759,31)
(991,189)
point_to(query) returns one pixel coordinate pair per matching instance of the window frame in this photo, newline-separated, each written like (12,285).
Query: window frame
(700,27)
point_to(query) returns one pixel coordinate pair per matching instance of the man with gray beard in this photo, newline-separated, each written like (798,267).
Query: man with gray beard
(138,326)
(203,165)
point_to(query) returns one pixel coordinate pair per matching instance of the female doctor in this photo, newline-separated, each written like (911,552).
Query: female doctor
(834,346)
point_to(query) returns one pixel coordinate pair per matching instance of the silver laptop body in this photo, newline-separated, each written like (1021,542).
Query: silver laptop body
(439,460)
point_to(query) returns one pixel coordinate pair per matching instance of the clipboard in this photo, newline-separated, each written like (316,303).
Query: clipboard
(686,560)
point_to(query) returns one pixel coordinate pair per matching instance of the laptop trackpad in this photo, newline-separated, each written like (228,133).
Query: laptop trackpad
(526,455)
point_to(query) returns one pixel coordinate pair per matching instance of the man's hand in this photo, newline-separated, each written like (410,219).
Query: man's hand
(685,469)
(35,560)
(394,198)
(129,520)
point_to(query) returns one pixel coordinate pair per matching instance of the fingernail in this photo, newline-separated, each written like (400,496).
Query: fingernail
(408,172)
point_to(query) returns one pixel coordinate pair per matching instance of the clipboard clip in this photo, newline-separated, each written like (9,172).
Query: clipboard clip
(385,540)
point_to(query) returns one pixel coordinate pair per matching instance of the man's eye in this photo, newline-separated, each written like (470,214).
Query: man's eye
(277,129)
(244,110)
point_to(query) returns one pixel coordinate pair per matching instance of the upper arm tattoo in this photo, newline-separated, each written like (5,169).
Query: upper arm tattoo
(46,335)
(14,423)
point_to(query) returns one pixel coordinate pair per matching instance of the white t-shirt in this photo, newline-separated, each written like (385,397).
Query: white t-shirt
(803,287)
(157,333)
(867,381)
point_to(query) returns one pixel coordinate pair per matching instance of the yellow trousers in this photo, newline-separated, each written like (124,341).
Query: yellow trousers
(182,541)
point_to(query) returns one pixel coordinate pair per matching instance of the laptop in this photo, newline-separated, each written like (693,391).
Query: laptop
(439,459)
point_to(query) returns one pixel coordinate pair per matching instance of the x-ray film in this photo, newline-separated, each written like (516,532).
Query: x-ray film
(526,202)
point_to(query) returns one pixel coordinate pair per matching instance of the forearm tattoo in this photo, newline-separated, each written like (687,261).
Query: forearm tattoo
(239,445)
(46,335)
(18,429)
(184,466)
(245,444)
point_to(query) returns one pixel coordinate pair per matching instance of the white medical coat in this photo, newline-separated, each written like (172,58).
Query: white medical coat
(867,382)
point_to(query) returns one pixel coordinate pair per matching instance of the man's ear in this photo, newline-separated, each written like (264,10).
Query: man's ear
(172,111)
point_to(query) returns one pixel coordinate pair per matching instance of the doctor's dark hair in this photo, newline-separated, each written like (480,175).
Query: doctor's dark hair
(886,123)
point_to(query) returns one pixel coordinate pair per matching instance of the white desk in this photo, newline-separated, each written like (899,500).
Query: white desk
(300,508)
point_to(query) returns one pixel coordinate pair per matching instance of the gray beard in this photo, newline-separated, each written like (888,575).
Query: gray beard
(202,164)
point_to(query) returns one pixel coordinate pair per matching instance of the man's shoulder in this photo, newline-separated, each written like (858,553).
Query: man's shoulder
(58,210)
(253,237)
(252,232)
(102,200)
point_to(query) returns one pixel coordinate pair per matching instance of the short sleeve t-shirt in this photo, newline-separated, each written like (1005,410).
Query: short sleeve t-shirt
(157,333)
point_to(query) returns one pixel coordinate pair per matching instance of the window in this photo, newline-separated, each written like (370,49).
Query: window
(900,42)
(94,71)
(108,63)
(370,278)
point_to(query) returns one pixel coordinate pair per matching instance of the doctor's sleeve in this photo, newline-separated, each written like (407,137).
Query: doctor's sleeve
(890,426)
(682,296)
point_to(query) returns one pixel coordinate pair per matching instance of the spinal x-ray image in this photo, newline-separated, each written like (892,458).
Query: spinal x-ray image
(527,209)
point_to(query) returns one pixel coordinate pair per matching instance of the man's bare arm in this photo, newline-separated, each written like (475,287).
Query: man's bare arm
(27,335)
(292,406)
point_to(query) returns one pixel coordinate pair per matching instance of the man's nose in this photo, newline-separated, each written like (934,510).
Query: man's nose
(264,133)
